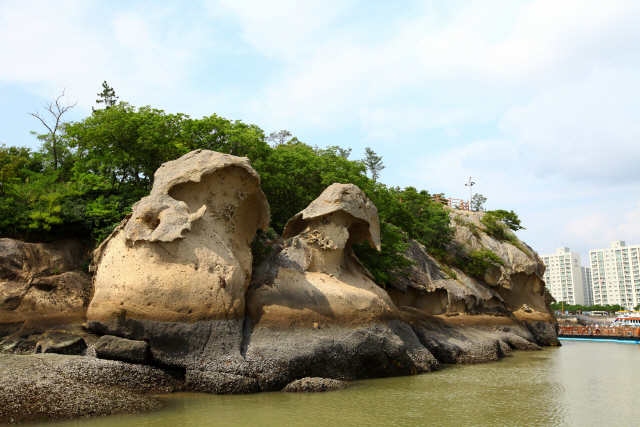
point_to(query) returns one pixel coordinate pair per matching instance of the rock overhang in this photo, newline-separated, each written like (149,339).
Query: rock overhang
(337,197)
(160,217)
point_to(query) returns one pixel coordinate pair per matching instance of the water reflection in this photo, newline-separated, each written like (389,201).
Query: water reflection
(581,383)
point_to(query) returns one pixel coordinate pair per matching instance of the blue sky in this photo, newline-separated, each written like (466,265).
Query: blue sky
(538,101)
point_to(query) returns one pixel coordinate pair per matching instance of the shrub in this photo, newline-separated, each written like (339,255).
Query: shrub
(390,259)
(481,261)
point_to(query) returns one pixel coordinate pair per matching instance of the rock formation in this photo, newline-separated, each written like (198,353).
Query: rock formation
(41,286)
(175,288)
(314,310)
(311,385)
(175,273)
(502,291)
(313,276)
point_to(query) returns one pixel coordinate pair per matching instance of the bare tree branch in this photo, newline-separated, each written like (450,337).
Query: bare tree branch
(57,109)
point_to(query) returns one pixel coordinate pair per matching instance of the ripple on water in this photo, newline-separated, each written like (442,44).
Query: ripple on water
(581,383)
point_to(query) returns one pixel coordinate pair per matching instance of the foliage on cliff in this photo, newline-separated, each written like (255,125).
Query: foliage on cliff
(106,162)
(557,306)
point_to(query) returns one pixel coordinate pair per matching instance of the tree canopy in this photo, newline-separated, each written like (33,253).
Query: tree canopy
(106,162)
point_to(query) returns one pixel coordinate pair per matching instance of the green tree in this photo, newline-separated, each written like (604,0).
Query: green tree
(481,261)
(108,96)
(559,305)
(390,259)
(293,175)
(510,219)
(225,136)
(12,160)
(477,202)
(280,138)
(415,213)
(373,162)
(114,153)
(124,144)
(343,152)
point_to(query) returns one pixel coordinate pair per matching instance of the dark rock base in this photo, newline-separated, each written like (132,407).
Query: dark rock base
(245,360)
(51,386)
(306,385)
(116,348)
(545,334)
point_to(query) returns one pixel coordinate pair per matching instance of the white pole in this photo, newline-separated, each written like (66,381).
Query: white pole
(470,185)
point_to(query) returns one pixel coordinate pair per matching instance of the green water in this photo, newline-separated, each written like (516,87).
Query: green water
(579,384)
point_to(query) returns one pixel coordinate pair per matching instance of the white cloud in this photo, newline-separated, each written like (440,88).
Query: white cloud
(440,68)
(46,45)
(597,229)
(35,43)
(280,28)
(588,130)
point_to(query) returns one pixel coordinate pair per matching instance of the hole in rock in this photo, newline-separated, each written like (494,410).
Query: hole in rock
(151,220)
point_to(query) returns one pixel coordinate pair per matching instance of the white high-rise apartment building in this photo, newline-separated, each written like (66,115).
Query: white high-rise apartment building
(564,276)
(616,275)
(587,286)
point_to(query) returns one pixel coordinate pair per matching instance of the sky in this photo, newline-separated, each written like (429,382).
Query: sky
(537,101)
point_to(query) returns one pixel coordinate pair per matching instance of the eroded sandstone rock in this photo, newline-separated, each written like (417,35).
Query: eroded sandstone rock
(42,286)
(313,276)
(314,310)
(183,260)
(503,291)
(425,285)
(519,280)
(42,278)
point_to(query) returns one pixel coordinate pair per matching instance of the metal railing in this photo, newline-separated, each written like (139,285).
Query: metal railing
(452,203)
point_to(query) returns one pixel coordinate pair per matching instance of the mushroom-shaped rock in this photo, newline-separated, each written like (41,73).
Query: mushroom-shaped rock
(346,198)
(183,256)
(313,275)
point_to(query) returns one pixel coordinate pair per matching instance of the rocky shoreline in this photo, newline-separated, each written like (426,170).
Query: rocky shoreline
(48,386)
(175,302)
(43,387)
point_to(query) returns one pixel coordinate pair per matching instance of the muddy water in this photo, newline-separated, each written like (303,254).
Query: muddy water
(579,384)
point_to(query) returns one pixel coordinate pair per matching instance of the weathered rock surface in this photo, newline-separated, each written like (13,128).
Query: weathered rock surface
(60,342)
(116,348)
(41,282)
(313,276)
(220,383)
(50,386)
(504,290)
(174,287)
(314,310)
(279,356)
(175,273)
(21,261)
(427,287)
(314,384)
(470,339)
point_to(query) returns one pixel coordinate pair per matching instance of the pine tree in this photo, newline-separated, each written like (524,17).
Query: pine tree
(373,163)
(108,96)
